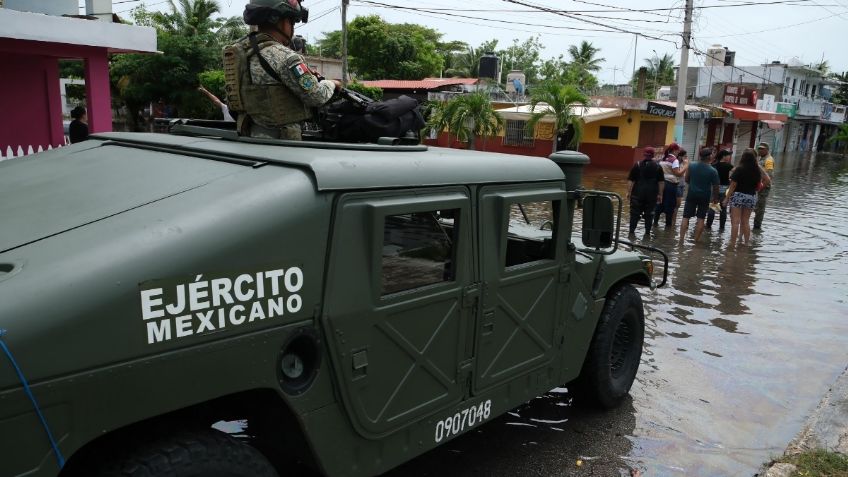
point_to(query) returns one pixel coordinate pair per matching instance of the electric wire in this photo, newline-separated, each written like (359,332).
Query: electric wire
(495,20)
(60,459)
(517,2)
(498,27)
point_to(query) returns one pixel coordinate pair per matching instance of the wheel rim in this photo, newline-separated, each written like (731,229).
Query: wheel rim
(621,346)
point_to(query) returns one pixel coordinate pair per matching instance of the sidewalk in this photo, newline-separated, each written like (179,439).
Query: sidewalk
(826,428)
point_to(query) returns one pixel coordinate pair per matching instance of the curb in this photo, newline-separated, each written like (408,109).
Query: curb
(826,428)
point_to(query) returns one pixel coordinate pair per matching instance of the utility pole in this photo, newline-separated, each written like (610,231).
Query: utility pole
(344,42)
(635,44)
(682,73)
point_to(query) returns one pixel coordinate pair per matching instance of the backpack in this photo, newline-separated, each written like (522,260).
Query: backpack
(356,118)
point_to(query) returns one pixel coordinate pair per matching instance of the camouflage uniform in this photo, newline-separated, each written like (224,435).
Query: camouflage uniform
(303,90)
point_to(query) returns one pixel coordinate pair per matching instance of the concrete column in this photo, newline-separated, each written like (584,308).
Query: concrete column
(97,93)
(54,101)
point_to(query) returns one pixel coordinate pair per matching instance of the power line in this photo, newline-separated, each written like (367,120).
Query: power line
(588,21)
(773,29)
(511,22)
(143,5)
(448,17)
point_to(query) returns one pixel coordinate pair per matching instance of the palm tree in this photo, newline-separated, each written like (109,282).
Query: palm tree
(468,116)
(557,101)
(467,64)
(660,72)
(583,57)
(823,67)
(583,65)
(192,17)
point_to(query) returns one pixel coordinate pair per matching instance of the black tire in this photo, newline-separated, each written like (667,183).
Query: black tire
(615,352)
(205,453)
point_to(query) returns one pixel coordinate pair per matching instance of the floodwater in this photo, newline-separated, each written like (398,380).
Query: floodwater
(740,347)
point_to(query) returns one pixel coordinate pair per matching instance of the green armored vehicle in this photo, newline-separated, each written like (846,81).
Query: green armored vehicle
(343,308)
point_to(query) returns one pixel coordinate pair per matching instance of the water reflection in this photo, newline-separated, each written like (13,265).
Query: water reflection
(742,343)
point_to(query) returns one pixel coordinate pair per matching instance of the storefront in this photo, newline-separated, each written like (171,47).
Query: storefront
(756,125)
(694,122)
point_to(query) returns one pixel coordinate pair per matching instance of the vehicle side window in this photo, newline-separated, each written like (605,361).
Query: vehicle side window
(531,232)
(418,249)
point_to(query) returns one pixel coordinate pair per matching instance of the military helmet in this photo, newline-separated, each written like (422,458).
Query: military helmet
(258,12)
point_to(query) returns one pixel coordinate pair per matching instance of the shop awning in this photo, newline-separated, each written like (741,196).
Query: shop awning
(752,114)
(772,124)
(668,109)
(587,113)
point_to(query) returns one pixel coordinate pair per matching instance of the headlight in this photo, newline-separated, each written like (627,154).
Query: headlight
(649,266)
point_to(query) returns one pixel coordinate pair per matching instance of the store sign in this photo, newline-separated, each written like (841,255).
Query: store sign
(789,109)
(767,103)
(667,111)
(740,96)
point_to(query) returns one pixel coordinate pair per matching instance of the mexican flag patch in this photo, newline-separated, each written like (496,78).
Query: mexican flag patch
(300,69)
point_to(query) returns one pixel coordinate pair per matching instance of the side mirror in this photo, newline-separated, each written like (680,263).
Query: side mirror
(598,222)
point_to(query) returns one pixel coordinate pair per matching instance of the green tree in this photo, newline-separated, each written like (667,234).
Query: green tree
(191,17)
(467,63)
(524,56)
(583,66)
(330,46)
(660,72)
(585,57)
(214,82)
(840,96)
(823,66)
(555,70)
(449,52)
(190,38)
(467,116)
(841,137)
(171,76)
(398,51)
(372,92)
(556,101)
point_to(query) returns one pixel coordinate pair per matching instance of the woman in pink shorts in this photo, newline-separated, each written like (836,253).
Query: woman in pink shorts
(742,195)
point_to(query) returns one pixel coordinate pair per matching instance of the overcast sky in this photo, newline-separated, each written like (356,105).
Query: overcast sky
(768,31)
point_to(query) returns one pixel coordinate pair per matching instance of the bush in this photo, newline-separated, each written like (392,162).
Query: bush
(372,92)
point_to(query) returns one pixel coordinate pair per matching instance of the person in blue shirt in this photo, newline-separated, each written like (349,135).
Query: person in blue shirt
(703,188)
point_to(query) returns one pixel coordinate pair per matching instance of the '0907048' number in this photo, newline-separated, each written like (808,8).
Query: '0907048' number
(453,425)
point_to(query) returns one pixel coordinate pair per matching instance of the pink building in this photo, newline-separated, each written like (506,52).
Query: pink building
(31,45)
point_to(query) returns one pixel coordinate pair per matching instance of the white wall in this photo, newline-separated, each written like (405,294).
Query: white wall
(710,75)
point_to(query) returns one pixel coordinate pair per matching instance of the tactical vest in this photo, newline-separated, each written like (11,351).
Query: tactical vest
(269,105)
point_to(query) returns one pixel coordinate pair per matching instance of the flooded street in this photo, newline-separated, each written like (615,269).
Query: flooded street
(740,347)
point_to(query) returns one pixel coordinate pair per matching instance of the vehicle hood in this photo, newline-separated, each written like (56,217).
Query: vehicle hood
(49,193)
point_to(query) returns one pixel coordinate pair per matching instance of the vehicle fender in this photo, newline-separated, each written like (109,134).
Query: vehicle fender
(87,406)
(621,266)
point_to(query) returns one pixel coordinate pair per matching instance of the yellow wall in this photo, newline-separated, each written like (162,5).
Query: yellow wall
(628,133)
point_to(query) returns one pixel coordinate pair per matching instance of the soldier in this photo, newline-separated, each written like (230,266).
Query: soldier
(270,86)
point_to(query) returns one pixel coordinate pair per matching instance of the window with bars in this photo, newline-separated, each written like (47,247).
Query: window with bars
(515,134)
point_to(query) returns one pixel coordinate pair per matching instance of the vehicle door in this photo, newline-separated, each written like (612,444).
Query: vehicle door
(521,250)
(394,313)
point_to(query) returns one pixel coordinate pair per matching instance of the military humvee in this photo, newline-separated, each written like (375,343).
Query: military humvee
(344,307)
